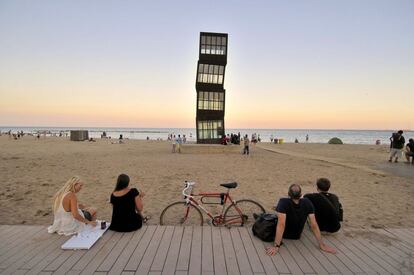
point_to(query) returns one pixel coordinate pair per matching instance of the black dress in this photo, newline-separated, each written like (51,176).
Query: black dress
(124,215)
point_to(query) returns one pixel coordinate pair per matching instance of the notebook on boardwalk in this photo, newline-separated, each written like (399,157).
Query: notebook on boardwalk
(86,238)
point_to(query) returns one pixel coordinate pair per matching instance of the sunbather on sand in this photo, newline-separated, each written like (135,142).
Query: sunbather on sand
(69,216)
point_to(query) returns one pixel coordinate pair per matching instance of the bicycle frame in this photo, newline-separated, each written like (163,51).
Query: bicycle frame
(216,220)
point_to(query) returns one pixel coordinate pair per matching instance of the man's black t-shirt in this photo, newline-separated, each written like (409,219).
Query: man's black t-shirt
(411,146)
(296,215)
(326,212)
(398,141)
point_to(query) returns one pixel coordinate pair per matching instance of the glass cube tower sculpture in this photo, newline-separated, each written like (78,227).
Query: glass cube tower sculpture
(211,94)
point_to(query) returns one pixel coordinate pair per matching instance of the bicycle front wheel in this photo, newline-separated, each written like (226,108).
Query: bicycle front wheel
(241,213)
(181,213)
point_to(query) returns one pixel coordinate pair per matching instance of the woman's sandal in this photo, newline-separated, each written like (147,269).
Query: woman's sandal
(146,219)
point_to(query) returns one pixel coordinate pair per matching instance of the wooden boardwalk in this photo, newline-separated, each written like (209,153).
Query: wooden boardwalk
(204,250)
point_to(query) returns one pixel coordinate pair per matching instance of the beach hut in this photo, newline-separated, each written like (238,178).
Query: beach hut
(210,87)
(79,135)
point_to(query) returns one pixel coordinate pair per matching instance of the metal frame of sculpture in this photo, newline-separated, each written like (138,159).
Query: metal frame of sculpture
(211,95)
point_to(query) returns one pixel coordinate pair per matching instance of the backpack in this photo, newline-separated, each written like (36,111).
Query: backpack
(265,227)
(336,205)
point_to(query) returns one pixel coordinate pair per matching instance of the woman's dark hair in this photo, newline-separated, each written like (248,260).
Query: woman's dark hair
(122,182)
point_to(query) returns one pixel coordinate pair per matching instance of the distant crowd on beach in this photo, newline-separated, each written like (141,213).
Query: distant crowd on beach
(397,142)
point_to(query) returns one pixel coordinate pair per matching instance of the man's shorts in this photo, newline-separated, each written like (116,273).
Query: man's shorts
(395,152)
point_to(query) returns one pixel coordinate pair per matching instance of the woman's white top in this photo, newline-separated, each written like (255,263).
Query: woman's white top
(64,223)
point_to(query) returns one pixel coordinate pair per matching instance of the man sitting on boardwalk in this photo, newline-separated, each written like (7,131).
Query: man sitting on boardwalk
(292,213)
(328,210)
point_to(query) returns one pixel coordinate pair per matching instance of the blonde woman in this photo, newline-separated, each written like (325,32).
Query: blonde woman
(69,216)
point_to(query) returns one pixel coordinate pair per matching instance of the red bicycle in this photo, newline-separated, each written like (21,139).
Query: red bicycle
(188,212)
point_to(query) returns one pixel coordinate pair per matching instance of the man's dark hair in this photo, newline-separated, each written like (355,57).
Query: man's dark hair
(411,140)
(323,184)
(295,192)
(400,132)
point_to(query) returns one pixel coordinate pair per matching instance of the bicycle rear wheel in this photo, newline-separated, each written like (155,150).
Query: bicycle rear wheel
(241,213)
(181,213)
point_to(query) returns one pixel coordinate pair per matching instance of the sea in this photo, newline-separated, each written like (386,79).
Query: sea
(288,135)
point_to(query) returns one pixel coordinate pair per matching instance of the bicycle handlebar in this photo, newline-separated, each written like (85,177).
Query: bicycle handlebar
(188,186)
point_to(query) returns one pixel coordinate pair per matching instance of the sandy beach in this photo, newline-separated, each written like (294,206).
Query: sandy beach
(374,193)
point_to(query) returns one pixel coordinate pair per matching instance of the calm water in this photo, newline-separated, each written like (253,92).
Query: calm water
(289,135)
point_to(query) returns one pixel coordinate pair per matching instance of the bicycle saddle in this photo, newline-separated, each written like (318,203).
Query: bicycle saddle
(229,185)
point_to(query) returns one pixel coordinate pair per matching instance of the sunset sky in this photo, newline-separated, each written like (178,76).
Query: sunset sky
(291,64)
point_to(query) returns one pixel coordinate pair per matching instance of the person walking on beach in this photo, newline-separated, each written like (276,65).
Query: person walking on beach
(174,143)
(328,209)
(397,144)
(292,213)
(179,143)
(410,151)
(246,143)
(307,137)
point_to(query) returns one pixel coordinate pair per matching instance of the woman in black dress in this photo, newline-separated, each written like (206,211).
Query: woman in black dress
(127,206)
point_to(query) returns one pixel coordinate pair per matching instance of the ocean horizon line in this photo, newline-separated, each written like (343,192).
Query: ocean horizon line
(191,128)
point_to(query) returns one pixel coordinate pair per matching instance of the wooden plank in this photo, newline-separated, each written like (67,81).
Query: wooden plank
(185,249)
(19,233)
(181,272)
(218,252)
(139,252)
(396,241)
(241,256)
(207,261)
(109,261)
(393,252)
(377,255)
(56,263)
(73,272)
(264,258)
(404,236)
(351,255)
(32,250)
(54,248)
(195,256)
(289,260)
(364,255)
(26,249)
(393,234)
(13,246)
(91,253)
(145,265)
(154,273)
(6,231)
(67,265)
(329,261)
(307,254)
(15,253)
(162,251)
(297,256)
(122,260)
(44,260)
(229,253)
(254,260)
(173,252)
(101,255)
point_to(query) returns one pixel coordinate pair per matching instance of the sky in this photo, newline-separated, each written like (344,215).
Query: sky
(291,64)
